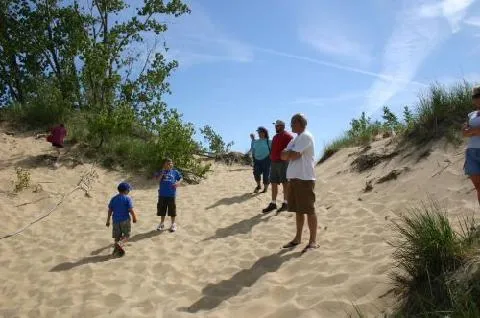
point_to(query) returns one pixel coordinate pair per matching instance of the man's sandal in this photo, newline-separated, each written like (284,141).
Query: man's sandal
(290,244)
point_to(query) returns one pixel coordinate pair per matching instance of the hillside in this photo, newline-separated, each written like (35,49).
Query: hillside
(225,259)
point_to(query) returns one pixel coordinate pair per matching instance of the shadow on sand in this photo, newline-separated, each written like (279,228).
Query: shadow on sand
(242,227)
(102,258)
(215,294)
(233,200)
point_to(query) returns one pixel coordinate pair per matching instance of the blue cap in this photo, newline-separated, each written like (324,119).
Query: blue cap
(122,187)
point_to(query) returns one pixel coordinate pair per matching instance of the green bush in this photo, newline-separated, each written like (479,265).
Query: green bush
(428,253)
(440,109)
(41,110)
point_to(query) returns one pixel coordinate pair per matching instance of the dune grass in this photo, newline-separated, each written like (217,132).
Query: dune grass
(439,112)
(431,264)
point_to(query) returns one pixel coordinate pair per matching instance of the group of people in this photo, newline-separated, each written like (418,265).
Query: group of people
(292,165)
(120,207)
(288,161)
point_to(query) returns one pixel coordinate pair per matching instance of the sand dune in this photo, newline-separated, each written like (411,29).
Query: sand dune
(225,259)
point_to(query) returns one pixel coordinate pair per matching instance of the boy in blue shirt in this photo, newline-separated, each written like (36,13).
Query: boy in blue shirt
(169,181)
(120,207)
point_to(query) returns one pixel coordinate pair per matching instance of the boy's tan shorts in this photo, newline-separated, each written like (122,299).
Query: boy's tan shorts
(121,229)
(301,196)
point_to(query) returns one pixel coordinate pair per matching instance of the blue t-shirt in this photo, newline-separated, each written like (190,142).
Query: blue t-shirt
(120,204)
(474,122)
(167,180)
(261,148)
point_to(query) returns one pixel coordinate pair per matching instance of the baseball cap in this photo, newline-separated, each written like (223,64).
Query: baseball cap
(124,186)
(279,122)
(261,128)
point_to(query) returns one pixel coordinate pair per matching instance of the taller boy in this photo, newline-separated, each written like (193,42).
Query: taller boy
(278,172)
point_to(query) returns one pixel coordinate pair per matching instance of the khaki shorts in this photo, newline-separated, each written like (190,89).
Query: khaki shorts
(121,229)
(301,196)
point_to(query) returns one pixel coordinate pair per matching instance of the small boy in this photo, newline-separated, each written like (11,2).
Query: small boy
(121,206)
(169,181)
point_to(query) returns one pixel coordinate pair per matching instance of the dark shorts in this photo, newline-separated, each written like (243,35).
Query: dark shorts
(262,168)
(121,229)
(472,162)
(278,172)
(301,196)
(57,145)
(166,205)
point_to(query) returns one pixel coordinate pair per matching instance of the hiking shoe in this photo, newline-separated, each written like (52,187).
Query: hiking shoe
(284,207)
(161,227)
(270,208)
(173,228)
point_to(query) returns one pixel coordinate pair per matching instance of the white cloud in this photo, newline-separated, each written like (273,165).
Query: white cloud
(452,10)
(325,40)
(473,21)
(328,101)
(333,32)
(342,67)
(416,34)
(195,38)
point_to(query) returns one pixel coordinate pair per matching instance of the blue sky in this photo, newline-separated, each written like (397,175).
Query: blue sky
(248,63)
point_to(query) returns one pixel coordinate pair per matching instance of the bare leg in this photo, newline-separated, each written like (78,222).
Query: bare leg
(285,191)
(312,225)
(162,219)
(476,184)
(300,219)
(173,219)
(274,192)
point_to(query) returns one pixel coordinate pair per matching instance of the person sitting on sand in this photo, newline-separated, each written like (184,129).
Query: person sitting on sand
(278,170)
(56,137)
(301,177)
(471,129)
(121,207)
(261,158)
(169,181)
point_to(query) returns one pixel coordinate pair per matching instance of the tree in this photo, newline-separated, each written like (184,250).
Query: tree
(408,116)
(216,144)
(390,119)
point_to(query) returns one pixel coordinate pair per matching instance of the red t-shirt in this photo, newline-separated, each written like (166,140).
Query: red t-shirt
(58,134)
(279,143)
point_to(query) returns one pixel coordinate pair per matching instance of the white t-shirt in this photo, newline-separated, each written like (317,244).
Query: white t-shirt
(302,168)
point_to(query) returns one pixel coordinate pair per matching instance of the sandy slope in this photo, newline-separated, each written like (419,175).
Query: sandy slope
(225,260)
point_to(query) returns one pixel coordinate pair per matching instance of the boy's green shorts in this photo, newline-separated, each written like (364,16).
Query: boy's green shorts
(121,229)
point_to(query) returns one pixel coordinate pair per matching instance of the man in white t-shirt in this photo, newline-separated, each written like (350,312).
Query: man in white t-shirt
(300,153)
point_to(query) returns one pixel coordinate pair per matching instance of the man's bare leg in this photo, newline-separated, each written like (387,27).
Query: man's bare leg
(300,220)
(312,225)
(274,192)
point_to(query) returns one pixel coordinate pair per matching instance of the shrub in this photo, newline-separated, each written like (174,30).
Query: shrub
(44,108)
(440,109)
(23,179)
(428,252)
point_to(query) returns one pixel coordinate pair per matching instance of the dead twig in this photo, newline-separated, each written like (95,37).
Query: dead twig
(35,201)
(84,184)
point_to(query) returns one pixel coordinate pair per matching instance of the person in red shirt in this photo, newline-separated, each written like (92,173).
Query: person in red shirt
(56,137)
(278,170)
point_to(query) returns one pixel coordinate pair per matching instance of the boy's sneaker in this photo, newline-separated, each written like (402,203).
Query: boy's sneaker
(272,206)
(161,227)
(173,228)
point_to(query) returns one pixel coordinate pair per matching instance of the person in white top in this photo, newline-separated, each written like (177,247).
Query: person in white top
(471,129)
(300,153)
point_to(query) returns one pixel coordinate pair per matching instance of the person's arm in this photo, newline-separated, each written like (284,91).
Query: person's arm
(470,132)
(109,216)
(178,178)
(134,216)
(295,151)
